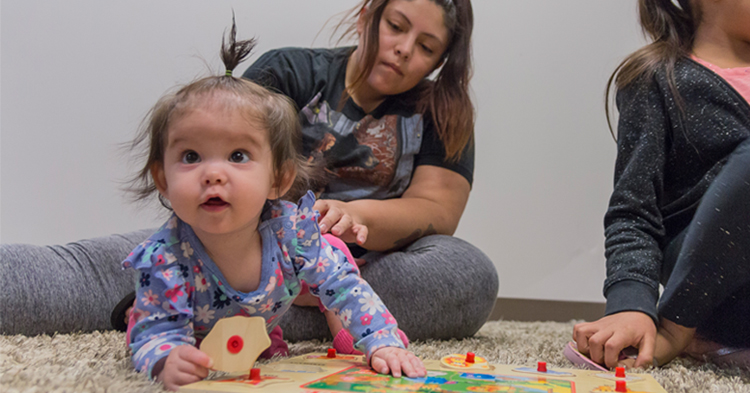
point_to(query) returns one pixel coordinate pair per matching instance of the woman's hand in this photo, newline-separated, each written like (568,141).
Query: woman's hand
(185,364)
(393,360)
(603,340)
(335,217)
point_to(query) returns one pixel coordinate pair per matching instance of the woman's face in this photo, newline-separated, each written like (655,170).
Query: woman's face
(412,40)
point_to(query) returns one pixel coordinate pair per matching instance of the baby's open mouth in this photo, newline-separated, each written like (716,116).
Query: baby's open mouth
(215,201)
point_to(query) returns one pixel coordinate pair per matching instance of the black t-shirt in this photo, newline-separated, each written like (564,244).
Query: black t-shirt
(372,155)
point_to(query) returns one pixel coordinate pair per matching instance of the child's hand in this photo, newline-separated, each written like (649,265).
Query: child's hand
(339,221)
(603,340)
(394,359)
(671,340)
(185,364)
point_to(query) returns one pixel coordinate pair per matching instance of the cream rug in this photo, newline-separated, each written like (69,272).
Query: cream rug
(99,361)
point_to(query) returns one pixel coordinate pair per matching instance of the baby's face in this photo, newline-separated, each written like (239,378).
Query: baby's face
(217,171)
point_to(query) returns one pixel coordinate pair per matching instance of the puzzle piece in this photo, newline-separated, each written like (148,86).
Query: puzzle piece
(235,343)
(461,362)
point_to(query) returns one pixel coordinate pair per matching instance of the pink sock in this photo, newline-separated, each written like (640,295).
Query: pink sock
(278,346)
(131,323)
(344,343)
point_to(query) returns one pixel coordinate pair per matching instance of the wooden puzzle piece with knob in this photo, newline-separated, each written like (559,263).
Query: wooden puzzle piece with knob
(235,343)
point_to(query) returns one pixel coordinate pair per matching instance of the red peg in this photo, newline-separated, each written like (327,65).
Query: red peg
(331,353)
(541,367)
(620,386)
(620,372)
(235,344)
(254,374)
(470,357)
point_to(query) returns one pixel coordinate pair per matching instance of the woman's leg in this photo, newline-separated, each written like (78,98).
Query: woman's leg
(64,288)
(709,287)
(439,287)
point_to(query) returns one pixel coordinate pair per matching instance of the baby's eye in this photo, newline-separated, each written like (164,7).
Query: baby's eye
(190,157)
(239,157)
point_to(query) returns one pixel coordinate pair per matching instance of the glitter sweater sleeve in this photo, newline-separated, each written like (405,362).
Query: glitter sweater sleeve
(668,153)
(633,223)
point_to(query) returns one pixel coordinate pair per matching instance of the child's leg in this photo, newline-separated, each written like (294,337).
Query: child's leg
(438,287)
(710,282)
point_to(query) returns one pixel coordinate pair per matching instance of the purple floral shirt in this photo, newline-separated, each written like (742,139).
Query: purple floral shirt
(181,293)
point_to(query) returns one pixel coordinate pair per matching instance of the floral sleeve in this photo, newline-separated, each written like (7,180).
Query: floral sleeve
(163,306)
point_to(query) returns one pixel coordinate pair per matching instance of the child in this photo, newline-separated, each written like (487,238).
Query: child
(222,151)
(679,213)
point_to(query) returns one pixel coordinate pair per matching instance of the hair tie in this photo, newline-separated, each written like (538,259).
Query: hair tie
(228,73)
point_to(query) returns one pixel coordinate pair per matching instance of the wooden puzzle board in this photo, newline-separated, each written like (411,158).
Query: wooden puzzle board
(345,373)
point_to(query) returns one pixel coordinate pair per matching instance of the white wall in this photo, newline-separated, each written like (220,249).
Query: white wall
(78,77)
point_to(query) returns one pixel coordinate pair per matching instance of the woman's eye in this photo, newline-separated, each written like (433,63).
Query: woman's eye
(239,157)
(190,157)
(394,26)
(427,49)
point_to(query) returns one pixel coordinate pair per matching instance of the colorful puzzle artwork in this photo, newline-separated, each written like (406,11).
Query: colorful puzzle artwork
(318,373)
(363,379)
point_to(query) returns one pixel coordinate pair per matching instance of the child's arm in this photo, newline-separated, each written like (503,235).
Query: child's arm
(162,309)
(634,230)
(336,281)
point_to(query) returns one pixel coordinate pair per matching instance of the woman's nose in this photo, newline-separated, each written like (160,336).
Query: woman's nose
(405,48)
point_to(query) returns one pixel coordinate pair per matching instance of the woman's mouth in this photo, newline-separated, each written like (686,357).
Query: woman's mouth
(394,68)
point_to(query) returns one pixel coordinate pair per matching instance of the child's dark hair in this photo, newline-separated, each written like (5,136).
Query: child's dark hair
(447,98)
(275,112)
(671,28)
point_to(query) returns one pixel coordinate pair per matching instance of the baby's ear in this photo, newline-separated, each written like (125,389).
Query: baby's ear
(160,180)
(284,180)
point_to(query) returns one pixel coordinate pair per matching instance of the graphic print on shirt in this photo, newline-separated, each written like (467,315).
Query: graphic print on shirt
(368,152)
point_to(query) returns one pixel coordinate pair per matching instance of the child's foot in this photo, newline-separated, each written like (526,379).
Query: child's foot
(721,355)
(278,345)
(121,313)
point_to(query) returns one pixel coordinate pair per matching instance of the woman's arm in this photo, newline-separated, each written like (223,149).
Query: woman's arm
(433,204)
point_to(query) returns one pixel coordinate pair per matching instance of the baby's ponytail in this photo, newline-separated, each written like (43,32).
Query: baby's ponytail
(233,53)
(671,26)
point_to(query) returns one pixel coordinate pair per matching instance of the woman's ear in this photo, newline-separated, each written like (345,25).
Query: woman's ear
(284,181)
(160,180)
(361,22)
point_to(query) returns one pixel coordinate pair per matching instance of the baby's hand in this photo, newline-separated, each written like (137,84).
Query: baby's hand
(394,359)
(185,364)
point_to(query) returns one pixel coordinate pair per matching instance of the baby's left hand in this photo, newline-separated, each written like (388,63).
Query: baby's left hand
(393,360)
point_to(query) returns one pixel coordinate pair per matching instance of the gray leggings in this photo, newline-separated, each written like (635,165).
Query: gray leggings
(439,287)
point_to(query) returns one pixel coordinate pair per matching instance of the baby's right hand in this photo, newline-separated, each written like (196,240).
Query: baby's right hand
(393,360)
(185,364)
(603,340)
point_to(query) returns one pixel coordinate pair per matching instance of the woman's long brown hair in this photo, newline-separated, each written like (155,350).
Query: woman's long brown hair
(672,31)
(446,98)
